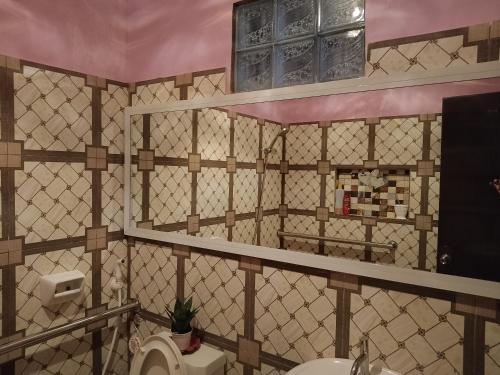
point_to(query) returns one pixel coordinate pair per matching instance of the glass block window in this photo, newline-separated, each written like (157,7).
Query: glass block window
(282,43)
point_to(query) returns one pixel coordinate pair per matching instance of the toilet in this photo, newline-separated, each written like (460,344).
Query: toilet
(160,356)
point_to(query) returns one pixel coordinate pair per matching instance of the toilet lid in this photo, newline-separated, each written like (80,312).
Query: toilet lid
(158,355)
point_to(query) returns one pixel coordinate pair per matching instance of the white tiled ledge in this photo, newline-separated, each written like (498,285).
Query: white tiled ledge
(450,283)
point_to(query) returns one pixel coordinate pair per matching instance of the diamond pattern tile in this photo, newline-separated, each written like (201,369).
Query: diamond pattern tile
(406,238)
(295,315)
(135,134)
(52,201)
(114,100)
(245,190)
(217,288)
(218,231)
(161,92)
(30,314)
(408,333)
(424,55)
(206,86)
(246,139)
(170,194)
(492,349)
(268,237)
(213,187)
(135,194)
(349,229)
(305,225)
(213,134)
(52,110)
(432,244)
(415,195)
(302,189)
(271,197)
(330,191)
(398,141)
(303,144)
(348,142)
(436,127)
(147,328)
(171,133)
(268,370)
(119,360)
(153,280)
(433,208)
(112,197)
(244,231)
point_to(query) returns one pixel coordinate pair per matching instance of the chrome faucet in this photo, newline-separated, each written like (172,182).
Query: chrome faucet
(361,364)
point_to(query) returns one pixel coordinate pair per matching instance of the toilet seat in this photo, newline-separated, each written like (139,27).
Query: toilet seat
(159,355)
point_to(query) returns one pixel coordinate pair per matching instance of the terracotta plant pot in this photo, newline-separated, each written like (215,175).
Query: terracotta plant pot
(182,340)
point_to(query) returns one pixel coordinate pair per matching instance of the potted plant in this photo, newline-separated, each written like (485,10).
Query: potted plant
(181,322)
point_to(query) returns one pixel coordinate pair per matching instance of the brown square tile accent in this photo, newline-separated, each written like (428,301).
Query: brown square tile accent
(478,33)
(372,121)
(194,162)
(184,80)
(284,166)
(147,224)
(231,114)
(10,63)
(480,306)
(250,264)
(249,352)
(322,214)
(94,81)
(370,164)
(345,281)
(97,158)
(261,121)
(427,117)
(94,311)
(181,250)
(146,160)
(11,155)
(324,124)
(15,354)
(259,213)
(193,224)
(495,30)
(259,165)
(425,168)
(369,221)
(324,167)
(283,210)
(423,222)
(132,88)
(231,164)
(97,238)
(11,251)
(230,219)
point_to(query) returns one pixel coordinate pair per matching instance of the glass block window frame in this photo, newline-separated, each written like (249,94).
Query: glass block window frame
(279,43)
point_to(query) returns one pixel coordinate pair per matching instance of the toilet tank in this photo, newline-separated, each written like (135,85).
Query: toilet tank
(205,361)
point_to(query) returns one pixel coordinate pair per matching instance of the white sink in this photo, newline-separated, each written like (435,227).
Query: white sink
(333,366)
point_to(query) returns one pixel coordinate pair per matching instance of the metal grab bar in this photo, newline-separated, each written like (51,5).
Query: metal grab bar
(391,245)
(38,338)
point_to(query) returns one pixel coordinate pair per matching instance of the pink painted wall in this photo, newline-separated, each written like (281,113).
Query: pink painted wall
(194,35)
(87,36)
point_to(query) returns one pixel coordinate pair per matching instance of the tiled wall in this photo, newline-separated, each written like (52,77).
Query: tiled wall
(269,316)
(62,183)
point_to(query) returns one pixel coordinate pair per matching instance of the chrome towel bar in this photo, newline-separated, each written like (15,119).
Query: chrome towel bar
(391,245)
(38,338)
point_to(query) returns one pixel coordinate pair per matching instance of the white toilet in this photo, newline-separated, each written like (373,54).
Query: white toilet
(160,356)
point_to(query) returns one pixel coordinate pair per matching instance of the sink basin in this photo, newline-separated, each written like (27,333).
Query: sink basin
(334,366)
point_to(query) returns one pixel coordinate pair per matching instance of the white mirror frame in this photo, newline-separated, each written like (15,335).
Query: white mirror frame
(445,282)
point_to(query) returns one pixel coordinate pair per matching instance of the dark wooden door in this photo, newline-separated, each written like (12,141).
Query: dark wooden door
(469,208)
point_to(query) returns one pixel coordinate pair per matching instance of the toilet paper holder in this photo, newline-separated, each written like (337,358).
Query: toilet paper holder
(61,287)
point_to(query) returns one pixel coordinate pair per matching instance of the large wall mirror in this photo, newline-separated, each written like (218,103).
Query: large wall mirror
(298,175)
